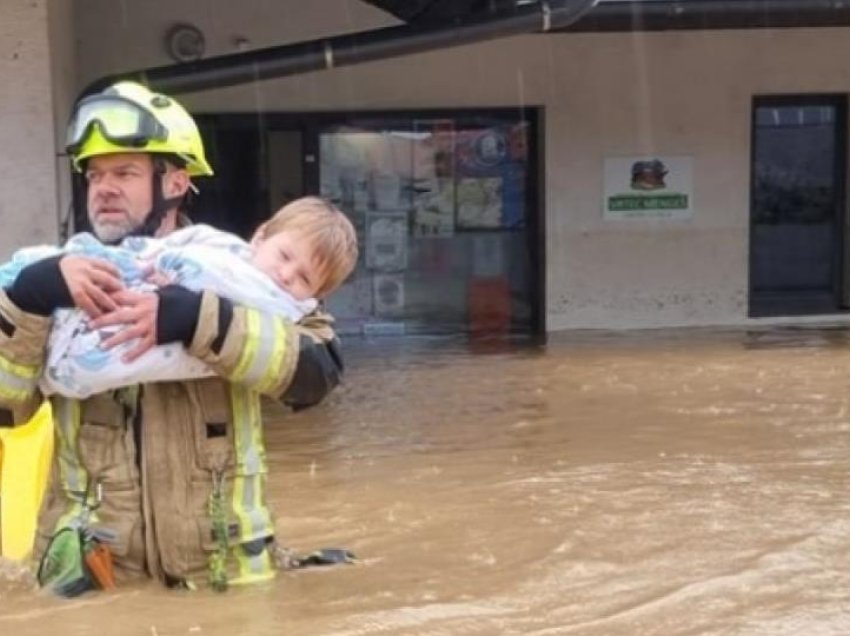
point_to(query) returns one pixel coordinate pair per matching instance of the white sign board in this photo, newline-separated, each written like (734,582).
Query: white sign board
(648,187)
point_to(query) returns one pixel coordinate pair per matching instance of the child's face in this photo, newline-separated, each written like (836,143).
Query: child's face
(290,261)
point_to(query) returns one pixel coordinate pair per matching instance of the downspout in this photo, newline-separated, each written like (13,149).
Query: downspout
(664,15)
(346,50)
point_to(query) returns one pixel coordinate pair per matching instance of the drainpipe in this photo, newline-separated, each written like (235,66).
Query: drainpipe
(662,15)
(345,50)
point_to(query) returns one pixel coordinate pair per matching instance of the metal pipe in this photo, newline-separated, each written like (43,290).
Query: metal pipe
(658,15)
(345,50)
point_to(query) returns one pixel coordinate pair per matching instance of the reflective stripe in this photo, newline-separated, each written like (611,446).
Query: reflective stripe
(20,370)
(276,358)
(265,340)
(249,352)
(17,381)
(13,395)
(253,568)
(250,470)
(254,518)
(72,475)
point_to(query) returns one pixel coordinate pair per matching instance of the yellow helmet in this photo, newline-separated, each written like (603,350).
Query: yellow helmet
(128,117)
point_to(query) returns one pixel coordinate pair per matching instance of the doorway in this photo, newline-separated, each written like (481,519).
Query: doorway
(797,212)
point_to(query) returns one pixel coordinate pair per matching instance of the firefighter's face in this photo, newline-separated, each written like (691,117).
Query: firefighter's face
(120,193)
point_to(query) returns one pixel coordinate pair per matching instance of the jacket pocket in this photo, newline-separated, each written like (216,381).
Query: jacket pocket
(123,537)
(213,431)
(108,454)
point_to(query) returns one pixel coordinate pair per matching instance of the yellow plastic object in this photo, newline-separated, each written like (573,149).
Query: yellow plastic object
(25,456)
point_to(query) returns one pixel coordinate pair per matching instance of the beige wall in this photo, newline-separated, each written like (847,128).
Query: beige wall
(64,87)
(604,95)
(126,35)
(28,205)
(610,95)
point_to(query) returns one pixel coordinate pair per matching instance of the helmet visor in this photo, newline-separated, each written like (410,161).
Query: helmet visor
(120,120)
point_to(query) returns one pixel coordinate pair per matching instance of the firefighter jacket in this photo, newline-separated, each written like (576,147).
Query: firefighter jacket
(172,476)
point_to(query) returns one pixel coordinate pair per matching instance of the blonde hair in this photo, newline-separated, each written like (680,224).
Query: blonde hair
(327,229)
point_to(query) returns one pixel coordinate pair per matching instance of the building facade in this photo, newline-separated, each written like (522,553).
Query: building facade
(537,182)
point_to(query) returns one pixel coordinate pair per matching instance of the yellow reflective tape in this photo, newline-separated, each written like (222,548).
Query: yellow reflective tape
(265,335)
(14,383)
(256,430)
(238,503)
(253,569)
(273,371)
(252,326)
(261,514)
(73,475)
(253,499)
(241,415)
(20,370)
(247,499)
(14,395)
(240,421)
(247,496)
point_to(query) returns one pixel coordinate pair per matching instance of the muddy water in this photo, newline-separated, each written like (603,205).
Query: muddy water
(672,483)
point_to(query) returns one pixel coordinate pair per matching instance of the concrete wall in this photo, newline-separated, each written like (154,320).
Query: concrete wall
(28,205)
(120,36)
(64,89)
(604,95)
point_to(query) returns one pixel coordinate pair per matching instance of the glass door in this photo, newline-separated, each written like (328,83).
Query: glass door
(797,213)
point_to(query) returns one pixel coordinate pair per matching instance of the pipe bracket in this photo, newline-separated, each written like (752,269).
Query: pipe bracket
(329,54)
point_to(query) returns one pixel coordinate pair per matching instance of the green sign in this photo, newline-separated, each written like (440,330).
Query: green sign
(627,202)
(648,187)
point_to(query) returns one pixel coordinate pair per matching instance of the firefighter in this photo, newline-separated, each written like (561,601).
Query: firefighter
(170,477)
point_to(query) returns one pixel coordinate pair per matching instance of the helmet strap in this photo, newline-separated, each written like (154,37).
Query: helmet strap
(160,204)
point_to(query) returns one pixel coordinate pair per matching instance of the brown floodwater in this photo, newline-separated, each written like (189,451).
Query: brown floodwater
(649,483)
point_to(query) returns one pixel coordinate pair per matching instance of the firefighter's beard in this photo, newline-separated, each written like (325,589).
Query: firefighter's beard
(112,227)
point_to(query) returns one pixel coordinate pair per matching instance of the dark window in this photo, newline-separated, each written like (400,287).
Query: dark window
(797,218)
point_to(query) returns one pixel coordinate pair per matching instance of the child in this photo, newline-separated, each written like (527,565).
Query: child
(302,253)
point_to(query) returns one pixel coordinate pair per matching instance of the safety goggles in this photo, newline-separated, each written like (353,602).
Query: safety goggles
(120,120)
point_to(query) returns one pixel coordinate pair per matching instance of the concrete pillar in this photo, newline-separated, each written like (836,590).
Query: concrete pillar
(28,152)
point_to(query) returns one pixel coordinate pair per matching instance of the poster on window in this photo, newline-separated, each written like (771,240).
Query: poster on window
(479,202)
(386,241)
(433,188)
(388,293)
(490,170)
(648,187)
(434,210)
(364,170)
